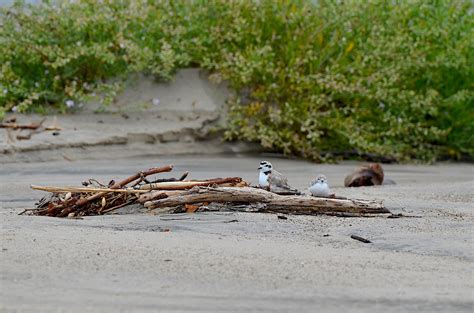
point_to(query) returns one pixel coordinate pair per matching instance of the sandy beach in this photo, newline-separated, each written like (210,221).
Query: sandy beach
(241,262)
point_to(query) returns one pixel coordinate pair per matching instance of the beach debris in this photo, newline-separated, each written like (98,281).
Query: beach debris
(191,208)
(179,195)
(361,239)
(10,124)
(365,175)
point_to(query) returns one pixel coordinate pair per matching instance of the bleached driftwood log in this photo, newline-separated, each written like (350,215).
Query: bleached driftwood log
(271,201)
(181,185)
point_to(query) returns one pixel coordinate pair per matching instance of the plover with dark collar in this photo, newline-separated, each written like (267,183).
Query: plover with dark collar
(272,180)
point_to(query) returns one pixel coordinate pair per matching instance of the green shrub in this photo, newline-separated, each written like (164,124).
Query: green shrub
(314,79)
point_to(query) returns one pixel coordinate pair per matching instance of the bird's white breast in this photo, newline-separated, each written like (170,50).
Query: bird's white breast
(320,190)
(263,179)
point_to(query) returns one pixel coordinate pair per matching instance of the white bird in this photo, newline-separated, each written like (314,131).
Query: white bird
(272,180)
(319,187)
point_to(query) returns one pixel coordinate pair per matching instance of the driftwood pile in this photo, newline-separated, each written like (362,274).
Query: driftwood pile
(181,195)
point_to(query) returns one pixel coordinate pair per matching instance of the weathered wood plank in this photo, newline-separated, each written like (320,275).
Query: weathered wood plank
(295,204)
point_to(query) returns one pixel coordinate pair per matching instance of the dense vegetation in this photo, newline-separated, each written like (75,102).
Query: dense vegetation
(314,78)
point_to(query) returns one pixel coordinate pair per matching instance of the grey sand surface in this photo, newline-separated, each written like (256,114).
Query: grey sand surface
(204,262)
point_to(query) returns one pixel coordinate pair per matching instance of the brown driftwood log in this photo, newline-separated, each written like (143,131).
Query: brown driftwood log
(271,201)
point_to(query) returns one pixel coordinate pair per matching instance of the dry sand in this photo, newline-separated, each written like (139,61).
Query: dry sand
(259,263)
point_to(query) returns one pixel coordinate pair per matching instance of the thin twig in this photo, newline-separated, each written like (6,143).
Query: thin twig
(85,189)
(22,212)
(163,180)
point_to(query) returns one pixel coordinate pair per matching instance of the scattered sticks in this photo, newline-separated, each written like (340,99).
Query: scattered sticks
(98,199)
(126,181)
(14,125)
(11,125)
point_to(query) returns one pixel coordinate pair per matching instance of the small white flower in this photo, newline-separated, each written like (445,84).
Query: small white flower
(122,45)
(69,103)
(155,101)
(37,84)
(78,43)
(5,91)
(46,72)
(382,105)
(15,109)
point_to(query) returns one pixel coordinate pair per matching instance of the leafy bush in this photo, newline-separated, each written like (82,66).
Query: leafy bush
(314,79)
